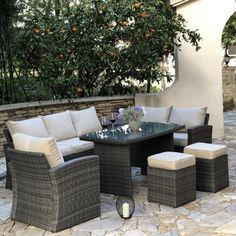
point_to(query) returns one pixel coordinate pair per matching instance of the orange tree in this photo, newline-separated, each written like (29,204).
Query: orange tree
(97,47)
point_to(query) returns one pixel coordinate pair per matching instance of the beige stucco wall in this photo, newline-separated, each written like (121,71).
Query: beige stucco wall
(199,74)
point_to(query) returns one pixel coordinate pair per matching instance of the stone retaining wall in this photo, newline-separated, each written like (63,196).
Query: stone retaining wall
(20,111)
(229,87)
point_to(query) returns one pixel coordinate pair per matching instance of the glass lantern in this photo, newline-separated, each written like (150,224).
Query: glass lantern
(125,207)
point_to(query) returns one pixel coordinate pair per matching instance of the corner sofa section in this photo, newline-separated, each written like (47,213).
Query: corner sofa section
(195,120)
(66,128)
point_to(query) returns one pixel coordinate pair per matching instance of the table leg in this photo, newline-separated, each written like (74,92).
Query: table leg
(115,168)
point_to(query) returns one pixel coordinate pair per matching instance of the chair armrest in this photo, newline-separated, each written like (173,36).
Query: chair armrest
(200,133)
(76,175)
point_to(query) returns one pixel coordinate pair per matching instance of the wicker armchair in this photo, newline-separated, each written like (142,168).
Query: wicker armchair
(9,144)
(199,133)
(56,198)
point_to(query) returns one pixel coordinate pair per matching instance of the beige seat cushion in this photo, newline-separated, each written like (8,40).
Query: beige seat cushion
(188,116)
(60,125)
(156,114)
(34,127)
(47,146)
(181,139)
(86,121)
(171,160)
(76,145)
(206,150)
(65,150)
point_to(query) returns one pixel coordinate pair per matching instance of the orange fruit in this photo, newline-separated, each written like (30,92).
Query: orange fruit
(143,14)
(98,54)
(125,23)
(37,30)
(148,35)
(114,54)
(137,5)
(74,29)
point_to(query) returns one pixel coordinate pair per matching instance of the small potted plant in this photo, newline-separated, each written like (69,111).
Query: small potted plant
(132,115)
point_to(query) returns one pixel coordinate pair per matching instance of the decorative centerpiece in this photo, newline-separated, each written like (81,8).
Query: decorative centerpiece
(132,115)
(125,207)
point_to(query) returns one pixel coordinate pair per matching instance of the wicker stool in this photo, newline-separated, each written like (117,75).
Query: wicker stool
(211,166)
(171,178)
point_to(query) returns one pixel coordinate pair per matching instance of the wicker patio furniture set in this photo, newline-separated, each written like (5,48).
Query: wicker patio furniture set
(57,181)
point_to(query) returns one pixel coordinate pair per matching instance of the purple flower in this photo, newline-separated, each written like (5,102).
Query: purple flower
(138,108)
(119,116)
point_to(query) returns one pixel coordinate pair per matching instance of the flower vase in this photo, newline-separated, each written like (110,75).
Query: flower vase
(134,125)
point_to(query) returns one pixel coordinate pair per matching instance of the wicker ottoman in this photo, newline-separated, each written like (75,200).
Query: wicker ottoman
(211,166)
(171,178)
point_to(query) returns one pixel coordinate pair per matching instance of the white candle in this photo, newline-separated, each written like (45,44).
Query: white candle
(125,210)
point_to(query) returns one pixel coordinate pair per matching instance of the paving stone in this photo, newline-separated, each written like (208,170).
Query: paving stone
(6,227)
(80,233)
(152,207)
(228,228)
(148,224)
(98,233)
(66,232)
(216,220)
(111,223)
(18,226)
(171,233)
(167,217)
(209,208)
(130,224)
(5,212)
(140,209)
(30,231)
(135,233)
(115,233)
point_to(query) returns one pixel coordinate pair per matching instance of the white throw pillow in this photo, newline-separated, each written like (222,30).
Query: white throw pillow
(86,121)
(188,116)
(34,127)
(156,114)
(59,125)
(47,146)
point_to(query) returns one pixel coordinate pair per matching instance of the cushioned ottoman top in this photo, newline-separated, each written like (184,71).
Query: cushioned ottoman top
(206,150)
(171,160)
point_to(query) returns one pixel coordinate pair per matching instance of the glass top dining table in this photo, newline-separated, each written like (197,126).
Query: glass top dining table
(123,135)
(121,148)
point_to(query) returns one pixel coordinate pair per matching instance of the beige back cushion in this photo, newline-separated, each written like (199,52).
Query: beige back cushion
(156,114)
(86,121)
(188,116)
(59,125)
(34,127)
(47,146)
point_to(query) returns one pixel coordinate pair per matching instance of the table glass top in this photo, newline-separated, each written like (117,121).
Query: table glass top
(122,133)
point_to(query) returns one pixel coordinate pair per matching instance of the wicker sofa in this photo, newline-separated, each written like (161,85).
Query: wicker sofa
(65,127)
(195,121)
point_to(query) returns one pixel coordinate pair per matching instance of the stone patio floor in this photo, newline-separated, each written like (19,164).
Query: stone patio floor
(210,214)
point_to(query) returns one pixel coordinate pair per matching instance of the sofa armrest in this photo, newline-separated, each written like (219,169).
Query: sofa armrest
(7,135)
(8,184)
(200,133)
